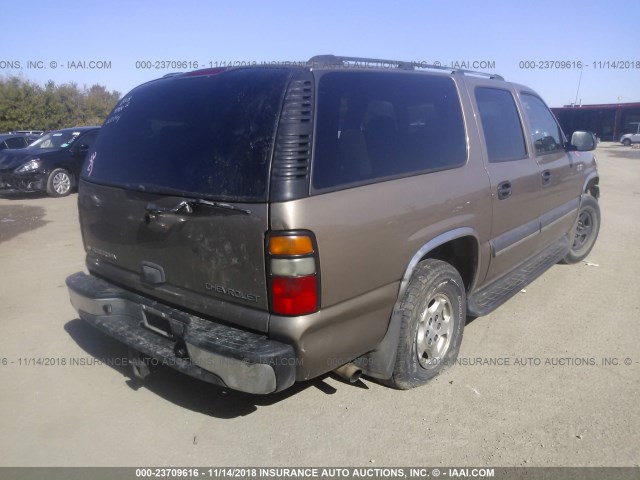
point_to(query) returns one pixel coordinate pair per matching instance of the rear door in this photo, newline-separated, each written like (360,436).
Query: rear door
(173,198)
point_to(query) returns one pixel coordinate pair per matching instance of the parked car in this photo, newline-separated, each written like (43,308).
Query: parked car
(634,137)
(51,164)
(253,227)
(13,141)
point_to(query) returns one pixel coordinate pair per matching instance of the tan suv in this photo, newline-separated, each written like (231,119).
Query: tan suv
(253,227)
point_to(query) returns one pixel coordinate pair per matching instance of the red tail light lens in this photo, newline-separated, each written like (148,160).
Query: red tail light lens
(294,296)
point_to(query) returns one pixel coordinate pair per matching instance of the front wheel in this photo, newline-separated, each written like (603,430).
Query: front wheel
(59,183)
(585,231)
(432,316)
(626,142)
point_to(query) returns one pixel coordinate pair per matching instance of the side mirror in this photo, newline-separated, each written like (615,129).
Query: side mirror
(582,142)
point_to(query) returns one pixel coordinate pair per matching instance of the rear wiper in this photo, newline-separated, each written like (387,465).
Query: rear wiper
(186,207)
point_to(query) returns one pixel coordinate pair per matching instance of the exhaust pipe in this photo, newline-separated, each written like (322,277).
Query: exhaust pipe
(349,372)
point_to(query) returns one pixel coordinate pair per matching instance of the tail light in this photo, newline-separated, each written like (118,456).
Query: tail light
(294,279)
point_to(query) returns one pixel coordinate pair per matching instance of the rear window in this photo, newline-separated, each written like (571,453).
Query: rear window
(18,142)
(376,125)
(204,135)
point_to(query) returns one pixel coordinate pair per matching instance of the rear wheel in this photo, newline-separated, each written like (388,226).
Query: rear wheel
(59,183)
(585,231)
(626,142)
(433,313)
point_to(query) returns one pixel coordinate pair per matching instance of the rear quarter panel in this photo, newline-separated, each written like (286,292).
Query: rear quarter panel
(367,237)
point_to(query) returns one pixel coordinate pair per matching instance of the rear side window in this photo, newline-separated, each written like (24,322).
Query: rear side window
(500,124)
(545,132)
(204,135)
(19,142)
(376,125)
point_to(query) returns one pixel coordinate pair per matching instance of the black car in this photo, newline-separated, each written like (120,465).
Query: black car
(51,164)
(11,140)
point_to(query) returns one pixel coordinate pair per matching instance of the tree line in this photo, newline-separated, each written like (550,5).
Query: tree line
(25,105)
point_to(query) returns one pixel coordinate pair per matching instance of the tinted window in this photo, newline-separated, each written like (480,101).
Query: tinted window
(545,132)
(372,125)
(209,135)
(18,142)
(500,124)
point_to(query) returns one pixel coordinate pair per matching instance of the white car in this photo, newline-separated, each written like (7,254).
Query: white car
(629,138)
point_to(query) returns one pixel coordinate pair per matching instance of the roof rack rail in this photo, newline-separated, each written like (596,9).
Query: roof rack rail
(493,76)
(334,61)
(320,61)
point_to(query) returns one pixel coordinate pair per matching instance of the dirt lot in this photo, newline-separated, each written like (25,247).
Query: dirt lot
(562,390)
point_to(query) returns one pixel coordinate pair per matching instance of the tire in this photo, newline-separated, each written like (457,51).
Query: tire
(434,302)
(626,142)
(585,231)
(59,183)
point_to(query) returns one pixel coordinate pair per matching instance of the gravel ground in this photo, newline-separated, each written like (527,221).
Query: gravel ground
(559,391)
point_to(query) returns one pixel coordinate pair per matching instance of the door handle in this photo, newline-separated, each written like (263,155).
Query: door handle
(504,190)
(546,177)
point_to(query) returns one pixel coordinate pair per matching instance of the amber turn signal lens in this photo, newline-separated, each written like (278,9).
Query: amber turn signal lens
(290,245)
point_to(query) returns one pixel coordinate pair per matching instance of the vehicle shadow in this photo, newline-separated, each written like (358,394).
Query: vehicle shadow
(22,195)
(18,219)
(178,388)
(625,152)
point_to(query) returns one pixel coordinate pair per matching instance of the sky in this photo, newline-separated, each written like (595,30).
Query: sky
(583,52)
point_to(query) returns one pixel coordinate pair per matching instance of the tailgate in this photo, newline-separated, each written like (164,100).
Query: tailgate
(202,258)
(174,195)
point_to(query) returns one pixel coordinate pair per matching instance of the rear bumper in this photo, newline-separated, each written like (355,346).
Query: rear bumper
(218,354)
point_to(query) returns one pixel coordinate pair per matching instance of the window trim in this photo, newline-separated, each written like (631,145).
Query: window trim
(313,190)
(527,150)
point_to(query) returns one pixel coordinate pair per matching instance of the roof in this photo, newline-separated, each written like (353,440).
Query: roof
(335,62)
